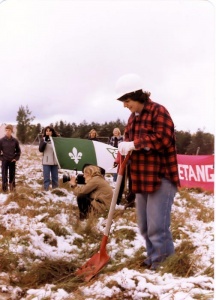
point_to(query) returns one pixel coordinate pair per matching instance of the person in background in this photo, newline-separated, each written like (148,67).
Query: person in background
(9,154)
(116,138)
(126,181)
(114,141)
(49,162)
(150,135)
(95,195)
(93,135)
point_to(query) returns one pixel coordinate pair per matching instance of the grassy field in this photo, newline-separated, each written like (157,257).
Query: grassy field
(42,243)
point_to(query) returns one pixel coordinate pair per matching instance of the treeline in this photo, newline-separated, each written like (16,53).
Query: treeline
(199,143)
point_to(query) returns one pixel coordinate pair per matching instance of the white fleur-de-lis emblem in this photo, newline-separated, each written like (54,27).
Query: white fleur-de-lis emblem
(75,155)
(113,152)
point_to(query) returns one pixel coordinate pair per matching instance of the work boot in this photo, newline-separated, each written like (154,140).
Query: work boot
(155,266)
(130,200)
(11,187)
(5,188)
(146,263)
(82,216)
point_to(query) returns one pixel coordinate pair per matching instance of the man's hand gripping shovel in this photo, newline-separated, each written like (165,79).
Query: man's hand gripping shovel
(101,258)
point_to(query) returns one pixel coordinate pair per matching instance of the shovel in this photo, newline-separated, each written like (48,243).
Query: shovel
(101,258)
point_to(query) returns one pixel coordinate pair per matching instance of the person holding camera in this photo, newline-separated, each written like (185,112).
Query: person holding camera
(50,165)
(95,195)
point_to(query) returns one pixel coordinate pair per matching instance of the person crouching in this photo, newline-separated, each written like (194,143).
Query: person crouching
(95,195)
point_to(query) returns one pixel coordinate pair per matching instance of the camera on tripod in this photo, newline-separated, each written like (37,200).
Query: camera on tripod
(79,178)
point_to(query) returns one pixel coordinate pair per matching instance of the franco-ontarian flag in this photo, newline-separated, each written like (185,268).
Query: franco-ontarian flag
(74,153)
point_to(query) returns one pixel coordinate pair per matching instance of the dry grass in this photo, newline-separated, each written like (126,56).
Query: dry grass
(182,262)
(57,228)
(177,223)
(195,205)
(48,271)
(205,214)
(8,260)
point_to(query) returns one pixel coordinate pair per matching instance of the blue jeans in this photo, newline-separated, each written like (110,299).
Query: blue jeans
(153,215)
(53,171)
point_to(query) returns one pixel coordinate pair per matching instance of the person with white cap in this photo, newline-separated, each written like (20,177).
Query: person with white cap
(9,154)
(149,136)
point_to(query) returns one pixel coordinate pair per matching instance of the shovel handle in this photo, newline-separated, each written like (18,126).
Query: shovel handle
(123,164)
(115,194)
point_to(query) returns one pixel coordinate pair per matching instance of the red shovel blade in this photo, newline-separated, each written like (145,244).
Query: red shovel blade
(95,263)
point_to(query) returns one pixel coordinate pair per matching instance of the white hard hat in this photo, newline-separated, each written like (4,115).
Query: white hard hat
(128,83)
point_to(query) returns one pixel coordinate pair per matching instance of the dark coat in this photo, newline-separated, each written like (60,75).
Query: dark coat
(9,149)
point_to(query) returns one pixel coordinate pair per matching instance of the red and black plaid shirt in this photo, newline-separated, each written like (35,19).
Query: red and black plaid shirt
(152,128)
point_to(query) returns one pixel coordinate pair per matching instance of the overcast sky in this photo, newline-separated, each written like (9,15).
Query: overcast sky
(62,58)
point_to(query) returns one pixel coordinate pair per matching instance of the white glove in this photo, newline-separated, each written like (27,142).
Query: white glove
(125,147)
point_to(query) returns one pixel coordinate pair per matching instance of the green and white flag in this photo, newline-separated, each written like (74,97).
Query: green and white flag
(73,153)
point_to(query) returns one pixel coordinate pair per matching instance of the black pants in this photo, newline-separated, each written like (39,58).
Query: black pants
(84,204)
(130,196)
(11,167)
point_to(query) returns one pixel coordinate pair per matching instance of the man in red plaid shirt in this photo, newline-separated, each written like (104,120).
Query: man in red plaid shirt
(149,135)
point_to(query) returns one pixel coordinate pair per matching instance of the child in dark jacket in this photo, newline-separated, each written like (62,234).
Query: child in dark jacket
(9,154)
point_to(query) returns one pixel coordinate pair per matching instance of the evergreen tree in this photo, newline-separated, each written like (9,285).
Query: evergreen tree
(183,140)
(202,143)
(24,128)
(36,131)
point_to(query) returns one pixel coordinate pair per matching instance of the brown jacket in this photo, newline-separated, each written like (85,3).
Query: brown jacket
(99,190)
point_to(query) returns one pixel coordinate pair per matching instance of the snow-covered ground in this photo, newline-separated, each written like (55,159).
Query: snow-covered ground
(25,234)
